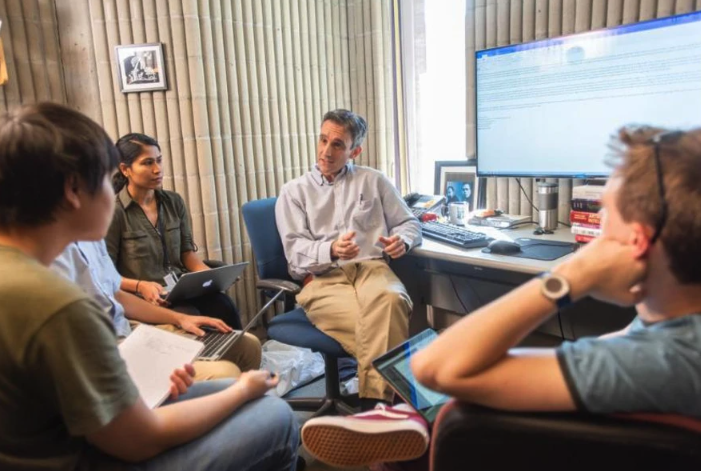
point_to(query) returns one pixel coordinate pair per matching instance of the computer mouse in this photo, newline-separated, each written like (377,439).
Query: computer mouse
(503,247)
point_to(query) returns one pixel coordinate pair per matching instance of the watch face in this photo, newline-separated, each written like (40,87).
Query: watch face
(553,285)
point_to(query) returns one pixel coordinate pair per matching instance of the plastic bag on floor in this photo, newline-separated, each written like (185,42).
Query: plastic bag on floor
(295,366)
(349,387)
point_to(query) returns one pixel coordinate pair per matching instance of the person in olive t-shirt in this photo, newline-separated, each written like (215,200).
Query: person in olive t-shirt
(66,399)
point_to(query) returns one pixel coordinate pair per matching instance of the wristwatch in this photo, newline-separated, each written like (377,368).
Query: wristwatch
(556,288)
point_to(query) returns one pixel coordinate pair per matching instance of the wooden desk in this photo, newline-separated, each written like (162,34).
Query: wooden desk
(459,280)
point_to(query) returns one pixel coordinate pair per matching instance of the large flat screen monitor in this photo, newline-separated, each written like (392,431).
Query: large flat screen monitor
(549,108)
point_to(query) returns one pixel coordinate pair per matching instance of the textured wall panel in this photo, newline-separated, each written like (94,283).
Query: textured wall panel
(30,42)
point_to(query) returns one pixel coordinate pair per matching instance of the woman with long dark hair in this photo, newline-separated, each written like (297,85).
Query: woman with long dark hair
(150,238)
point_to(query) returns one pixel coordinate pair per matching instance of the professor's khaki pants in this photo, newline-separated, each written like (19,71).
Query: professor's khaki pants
(366,309)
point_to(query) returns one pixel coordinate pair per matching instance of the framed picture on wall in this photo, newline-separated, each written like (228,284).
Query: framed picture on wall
(141,67)
(458,182)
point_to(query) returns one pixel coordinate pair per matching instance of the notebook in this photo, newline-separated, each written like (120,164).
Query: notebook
(394,367)
(195,284)
(151,355)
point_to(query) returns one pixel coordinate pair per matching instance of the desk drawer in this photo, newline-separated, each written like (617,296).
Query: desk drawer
(462,288)
(464,294)
(496,275)
(460,294)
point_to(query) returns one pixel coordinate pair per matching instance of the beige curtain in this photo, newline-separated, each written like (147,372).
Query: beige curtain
(249,81)
(30,44)
(401,138)
(370,50)
(492,23)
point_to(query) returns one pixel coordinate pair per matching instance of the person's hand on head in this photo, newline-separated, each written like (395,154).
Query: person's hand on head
(345,247)
(394,246)
(193,324)
(181,380)
(607,270)
(255,383)
(151,292)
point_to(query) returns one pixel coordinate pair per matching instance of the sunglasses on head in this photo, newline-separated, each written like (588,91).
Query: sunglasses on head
(657,141)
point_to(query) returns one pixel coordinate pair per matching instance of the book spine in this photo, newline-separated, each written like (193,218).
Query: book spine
(586,229)
(589,192)
(589,206)
(586,225)
(585,217)
(583,239)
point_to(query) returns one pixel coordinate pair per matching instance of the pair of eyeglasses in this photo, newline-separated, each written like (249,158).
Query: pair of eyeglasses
(657,141)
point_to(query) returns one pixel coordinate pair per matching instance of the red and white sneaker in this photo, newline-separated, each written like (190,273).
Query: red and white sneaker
(381,435)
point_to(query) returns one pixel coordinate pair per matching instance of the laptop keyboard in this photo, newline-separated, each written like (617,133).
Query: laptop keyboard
(213,340)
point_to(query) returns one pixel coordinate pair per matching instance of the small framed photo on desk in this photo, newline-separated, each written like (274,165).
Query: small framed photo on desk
(457,181)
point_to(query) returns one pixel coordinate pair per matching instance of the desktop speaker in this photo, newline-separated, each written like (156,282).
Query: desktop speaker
(547,205)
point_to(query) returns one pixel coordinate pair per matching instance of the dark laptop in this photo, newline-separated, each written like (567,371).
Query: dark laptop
(195,284)
(394,367)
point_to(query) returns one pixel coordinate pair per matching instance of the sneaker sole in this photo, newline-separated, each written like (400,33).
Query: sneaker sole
(339,446)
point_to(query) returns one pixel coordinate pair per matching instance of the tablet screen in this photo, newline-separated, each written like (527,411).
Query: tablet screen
(394,367)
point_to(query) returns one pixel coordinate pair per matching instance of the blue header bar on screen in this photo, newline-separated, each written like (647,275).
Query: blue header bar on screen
(613,31)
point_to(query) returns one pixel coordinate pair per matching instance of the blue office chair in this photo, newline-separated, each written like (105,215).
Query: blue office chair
(293,327)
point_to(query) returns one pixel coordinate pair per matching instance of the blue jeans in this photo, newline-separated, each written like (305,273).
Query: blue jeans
(262,435)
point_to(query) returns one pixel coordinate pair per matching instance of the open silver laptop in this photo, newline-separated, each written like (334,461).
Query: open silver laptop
(195,284)
(216,343)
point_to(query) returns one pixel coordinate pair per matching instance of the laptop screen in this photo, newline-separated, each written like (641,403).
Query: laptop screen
(194,284)
(394,367)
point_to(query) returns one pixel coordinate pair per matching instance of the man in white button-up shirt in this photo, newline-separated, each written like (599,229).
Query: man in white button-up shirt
(339,224)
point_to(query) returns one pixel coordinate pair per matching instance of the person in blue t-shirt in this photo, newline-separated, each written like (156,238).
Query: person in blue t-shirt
(648,256)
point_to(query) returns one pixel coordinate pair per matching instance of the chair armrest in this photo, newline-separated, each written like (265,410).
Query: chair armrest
(481,438)
(284,285)
(214,263)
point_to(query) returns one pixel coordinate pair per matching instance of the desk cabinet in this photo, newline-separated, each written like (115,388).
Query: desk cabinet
(463,288)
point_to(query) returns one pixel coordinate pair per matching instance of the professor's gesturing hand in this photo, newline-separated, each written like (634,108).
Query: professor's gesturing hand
(394,246)
(345,247)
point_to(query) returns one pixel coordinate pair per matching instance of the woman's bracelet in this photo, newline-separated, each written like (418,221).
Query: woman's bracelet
(137,286)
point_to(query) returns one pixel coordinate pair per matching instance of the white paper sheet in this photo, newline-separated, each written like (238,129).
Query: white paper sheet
(151,355)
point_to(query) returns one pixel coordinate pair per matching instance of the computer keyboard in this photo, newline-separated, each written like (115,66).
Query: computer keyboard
(455,235)
(213,341)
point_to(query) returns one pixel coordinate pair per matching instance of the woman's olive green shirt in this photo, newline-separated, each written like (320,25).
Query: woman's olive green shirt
(136,246)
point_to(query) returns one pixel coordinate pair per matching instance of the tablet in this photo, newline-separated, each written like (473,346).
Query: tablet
(394,367)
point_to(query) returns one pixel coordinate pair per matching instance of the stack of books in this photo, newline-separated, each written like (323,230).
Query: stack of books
(584,216)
